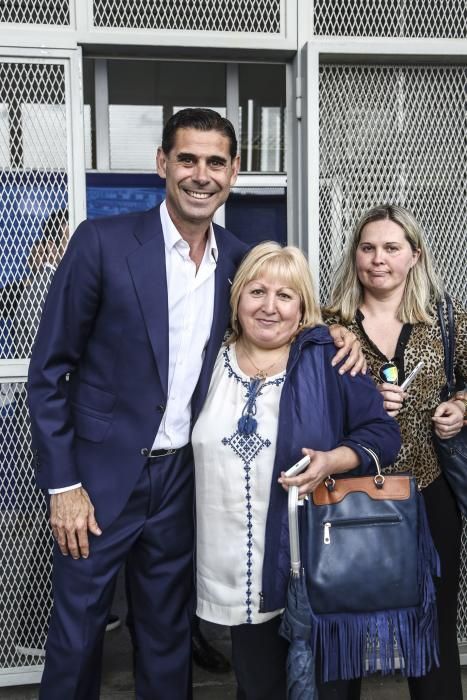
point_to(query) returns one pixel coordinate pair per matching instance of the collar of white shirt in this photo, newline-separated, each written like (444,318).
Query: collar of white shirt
(173,240)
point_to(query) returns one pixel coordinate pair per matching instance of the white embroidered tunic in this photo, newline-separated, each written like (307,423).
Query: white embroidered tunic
(233,481)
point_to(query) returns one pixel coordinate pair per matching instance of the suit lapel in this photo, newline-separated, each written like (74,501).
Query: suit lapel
(147,269)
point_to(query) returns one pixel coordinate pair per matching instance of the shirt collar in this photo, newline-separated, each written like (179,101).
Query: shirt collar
(172,238)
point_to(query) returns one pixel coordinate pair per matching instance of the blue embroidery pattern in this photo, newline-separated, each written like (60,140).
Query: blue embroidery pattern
(247,447)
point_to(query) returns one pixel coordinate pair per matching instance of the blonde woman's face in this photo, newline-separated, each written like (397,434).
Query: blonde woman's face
(384,257)
(269,312)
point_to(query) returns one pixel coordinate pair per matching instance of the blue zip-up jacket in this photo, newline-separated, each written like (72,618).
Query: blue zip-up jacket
(319,409)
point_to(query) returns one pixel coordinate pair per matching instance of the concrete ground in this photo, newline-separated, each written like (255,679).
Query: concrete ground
(118,681)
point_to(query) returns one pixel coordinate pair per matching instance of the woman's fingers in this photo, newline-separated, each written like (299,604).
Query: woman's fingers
(448,419)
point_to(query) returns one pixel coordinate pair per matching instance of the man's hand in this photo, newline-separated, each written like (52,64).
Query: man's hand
(350,348)
(71,516)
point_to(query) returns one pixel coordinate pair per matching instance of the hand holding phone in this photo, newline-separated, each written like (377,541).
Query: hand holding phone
(298,467)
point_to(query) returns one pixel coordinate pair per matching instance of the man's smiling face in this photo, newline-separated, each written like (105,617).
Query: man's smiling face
(199,173)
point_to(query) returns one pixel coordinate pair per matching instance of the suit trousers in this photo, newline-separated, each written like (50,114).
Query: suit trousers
(154,535)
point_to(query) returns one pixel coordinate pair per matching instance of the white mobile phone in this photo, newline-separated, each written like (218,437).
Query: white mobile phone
(298,466)
(408,380)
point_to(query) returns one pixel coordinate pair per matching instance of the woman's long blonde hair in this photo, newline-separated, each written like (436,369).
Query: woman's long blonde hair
(423,286)
(287,264)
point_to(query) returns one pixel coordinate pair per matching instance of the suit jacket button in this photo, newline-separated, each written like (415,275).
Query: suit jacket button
(144,452)
(161,408)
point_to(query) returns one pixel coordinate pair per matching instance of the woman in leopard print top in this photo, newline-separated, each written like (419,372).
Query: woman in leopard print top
(385,291)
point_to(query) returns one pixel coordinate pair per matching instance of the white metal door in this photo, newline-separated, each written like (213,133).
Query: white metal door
(394,133)
(41,171)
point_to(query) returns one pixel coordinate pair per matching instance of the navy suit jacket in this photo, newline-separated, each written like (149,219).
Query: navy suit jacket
(98,374)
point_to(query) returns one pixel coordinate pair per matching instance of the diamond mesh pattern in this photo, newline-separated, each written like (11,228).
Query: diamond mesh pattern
(394,133)
(392,18)
(55,12)
(462,616)
(220,16)
(33,181)
(25,539)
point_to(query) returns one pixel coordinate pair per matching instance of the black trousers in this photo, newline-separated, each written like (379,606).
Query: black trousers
(443,683)
(259,656)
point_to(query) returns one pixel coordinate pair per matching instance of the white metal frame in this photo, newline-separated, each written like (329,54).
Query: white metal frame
(245,179)
(285,40)
(82,31)
(71,59)
(304,162)
(15,371)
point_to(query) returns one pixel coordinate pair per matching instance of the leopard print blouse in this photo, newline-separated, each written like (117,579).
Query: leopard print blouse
(417,453)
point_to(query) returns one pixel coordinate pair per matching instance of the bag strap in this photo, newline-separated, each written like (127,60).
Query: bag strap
(294,541)
(448,336)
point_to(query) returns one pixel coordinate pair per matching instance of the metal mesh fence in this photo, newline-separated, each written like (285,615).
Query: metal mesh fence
(33,179)
(222,16)
(462,617)
(392,18)
(394,134)
(26,543)
(55,12)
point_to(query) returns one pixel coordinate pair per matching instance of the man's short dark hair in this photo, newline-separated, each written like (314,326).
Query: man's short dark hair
(54,226)
(202,119)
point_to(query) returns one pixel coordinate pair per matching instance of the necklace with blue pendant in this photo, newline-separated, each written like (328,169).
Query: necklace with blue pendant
(247,423)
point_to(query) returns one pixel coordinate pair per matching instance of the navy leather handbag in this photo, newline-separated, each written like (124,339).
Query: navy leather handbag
(452,453)
(369,564)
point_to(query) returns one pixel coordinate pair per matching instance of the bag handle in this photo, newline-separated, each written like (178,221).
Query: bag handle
(449,340)
(330,482)
(294,540)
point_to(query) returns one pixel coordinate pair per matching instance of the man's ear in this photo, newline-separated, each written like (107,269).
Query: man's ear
(235,170)
(161,163)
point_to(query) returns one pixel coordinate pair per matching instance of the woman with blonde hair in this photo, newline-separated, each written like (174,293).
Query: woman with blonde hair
(386,291)
(274,396)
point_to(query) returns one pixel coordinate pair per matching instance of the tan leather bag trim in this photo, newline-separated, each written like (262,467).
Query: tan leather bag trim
(396,488)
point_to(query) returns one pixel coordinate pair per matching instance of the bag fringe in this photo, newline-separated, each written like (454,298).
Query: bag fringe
(352,645)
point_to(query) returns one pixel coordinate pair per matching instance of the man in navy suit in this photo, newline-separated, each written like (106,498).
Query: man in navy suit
(129,334)
(130,330)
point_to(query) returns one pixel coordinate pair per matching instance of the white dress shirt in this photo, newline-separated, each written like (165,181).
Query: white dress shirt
(190,295)
(191,305)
